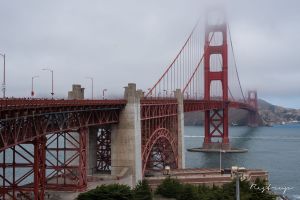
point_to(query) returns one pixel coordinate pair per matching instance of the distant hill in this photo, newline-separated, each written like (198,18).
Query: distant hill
(269,114)
(276,114)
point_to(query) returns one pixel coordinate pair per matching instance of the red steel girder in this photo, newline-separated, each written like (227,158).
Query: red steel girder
(21,129)
(202,105)
(104,149)
(23,171)
(216,125)
(160,150)
(159,125)
(66,161)
(158,109)
(216,120)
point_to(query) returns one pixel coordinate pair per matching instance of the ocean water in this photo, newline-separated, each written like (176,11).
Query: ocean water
(275,149)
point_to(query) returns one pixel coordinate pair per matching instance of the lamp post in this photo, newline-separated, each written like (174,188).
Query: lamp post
(92,79)
(237,171)
(32,91)
(103,93)
(187,94)
(3,84)
(166,92)
(221,151)
(237,186)
(149,89)
(50,70)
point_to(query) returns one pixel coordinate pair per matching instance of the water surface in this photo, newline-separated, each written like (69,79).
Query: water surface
(275,149)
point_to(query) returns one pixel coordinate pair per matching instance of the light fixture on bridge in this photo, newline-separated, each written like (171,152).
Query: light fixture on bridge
(92,79)
(3,84)
(166,91)
(187,94)
(103,93)
(32,91)
(50,70)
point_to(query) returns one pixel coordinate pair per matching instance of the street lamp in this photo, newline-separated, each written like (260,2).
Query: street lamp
(32,78)
(91,78)
(187,94)
(103,92)
(237,171)
(166,92)
(149,90)
(3,84)
(221,151)
(50,70)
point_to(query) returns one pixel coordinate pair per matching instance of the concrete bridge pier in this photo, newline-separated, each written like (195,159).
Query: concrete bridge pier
(92,150)
(77,93)
(181,149)
(126,138)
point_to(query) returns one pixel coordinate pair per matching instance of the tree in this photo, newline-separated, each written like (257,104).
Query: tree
(189,192)
(169,188)
(108,192)
(142,191)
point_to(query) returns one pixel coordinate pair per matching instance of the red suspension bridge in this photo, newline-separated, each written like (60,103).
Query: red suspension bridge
(58,144)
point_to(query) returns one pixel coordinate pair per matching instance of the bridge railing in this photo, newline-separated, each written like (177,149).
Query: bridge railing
(11,103)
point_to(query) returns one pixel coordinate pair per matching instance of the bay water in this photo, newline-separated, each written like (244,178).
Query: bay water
(275,149)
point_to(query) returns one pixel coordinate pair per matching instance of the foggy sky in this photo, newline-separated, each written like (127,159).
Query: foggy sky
(118,42)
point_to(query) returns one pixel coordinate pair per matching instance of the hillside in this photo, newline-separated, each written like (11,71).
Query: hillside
(269,114)
(276,114)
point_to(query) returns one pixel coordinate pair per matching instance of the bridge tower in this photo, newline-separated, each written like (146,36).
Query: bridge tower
(252,101)
(216,121)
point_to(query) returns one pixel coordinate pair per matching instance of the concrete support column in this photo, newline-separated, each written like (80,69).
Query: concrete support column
(126,138)
(76,93)
(92,150)
(180,114)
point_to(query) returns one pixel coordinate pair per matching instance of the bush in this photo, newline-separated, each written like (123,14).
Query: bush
(142,191)
(169,188)
(108,192)
(172,188)
(258,194)
(189,192)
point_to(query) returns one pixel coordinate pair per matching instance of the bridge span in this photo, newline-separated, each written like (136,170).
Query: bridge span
(75,138)
(51,144)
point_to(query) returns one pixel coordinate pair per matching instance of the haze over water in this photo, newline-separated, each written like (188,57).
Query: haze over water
(275,149)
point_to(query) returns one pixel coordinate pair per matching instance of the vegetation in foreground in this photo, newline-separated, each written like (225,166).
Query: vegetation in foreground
(142,191)
(172,188)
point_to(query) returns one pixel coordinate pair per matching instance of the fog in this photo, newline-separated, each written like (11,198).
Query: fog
(117,42)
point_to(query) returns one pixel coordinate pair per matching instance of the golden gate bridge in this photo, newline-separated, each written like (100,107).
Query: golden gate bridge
(58,144)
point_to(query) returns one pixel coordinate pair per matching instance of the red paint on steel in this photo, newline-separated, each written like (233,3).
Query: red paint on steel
(216,120)
(159,126)
(252,101)
(104,149)
(66,160)
(42,118)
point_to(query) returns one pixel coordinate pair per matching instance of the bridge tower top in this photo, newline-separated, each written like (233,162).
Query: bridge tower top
(220,73)
(252,98)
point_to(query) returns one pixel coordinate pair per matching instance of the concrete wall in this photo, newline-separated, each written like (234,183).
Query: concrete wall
(92,150)
(126,137)
(76,93)
(180,114)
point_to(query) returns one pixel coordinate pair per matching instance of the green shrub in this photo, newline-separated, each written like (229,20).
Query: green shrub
(189,192)
(142,191)
(108,192)
(172,188)
(169,188)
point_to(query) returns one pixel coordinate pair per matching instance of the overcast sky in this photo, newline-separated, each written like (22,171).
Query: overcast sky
(123,41)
